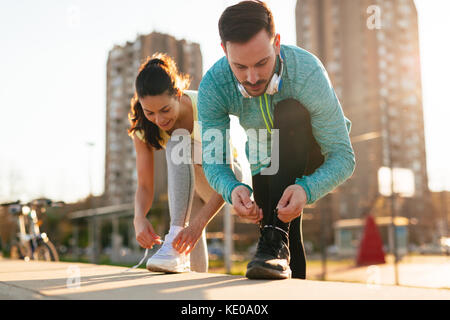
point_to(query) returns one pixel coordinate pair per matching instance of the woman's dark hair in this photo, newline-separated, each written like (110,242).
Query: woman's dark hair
(156,75)
(240,22)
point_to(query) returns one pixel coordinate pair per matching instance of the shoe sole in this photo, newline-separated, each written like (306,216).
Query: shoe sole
(155,268)
(258,272)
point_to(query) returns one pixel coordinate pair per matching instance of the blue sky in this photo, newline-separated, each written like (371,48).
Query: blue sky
(53,76)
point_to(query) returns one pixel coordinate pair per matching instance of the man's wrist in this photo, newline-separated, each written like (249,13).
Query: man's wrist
(302,183)
(300,188)
(229,199)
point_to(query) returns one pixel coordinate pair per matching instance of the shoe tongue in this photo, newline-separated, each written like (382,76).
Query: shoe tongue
(272,234)
(270,242)
(173,232)
(167,247)
(168,239)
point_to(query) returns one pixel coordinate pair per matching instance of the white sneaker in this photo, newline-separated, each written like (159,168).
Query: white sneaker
(167,259)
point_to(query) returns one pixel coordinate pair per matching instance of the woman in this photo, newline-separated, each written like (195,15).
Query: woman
(161,105)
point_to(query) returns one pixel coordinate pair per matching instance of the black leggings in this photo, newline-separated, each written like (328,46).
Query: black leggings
(299,154)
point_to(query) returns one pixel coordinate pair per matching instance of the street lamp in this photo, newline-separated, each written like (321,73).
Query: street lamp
(394,189)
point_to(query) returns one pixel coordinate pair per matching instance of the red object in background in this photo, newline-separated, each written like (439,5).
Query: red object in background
(371,246)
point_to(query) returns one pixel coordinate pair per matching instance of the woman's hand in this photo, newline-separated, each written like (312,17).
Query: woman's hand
(187,238)
(145,235)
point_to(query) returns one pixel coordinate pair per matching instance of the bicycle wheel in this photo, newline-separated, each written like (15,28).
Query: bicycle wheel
(14,252)
(46,251)
(20,251)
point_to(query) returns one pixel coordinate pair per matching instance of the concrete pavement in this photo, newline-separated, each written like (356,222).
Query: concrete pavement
(413,271)
(62,280)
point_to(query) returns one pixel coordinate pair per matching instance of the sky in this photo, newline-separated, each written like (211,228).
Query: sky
(53,83)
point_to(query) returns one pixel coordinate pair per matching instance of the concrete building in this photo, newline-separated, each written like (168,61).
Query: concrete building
(441,206)
(371,52)
(122,67)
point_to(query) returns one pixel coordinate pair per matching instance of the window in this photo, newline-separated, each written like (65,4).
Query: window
(306,21)
(384,92)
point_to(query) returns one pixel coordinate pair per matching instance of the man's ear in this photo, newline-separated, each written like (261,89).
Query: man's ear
(224,48)
(277,43)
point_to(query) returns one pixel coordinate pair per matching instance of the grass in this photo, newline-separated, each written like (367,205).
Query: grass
(238,268)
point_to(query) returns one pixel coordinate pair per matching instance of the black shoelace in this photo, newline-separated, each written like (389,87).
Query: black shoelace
(267,244)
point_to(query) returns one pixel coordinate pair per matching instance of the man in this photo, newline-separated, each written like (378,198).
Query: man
(286,91)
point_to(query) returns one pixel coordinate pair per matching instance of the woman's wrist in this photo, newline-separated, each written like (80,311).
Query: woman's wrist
(208,211)
(138,217)
(200,220)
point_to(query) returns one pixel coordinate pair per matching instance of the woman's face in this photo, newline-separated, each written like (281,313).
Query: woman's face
(162,110)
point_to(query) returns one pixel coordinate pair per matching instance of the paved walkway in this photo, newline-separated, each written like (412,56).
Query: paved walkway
(61,280)
(415,271)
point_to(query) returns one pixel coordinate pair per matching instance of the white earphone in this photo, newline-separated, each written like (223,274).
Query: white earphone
(274,84)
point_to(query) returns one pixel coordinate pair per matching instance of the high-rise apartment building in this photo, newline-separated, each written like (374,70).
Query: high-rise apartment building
(122,67)
(370,49)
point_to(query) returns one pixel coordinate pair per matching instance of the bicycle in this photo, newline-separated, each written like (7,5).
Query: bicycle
(30,243)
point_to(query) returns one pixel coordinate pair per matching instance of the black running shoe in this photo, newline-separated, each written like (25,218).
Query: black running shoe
(272,256)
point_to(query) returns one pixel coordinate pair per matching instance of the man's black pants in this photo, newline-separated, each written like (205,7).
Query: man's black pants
(299,154)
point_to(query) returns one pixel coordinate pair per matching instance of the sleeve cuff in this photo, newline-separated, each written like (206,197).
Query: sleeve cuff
(302,182)
(228,196)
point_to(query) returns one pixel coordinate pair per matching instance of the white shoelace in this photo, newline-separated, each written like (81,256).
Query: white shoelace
(166,247)
(140,262)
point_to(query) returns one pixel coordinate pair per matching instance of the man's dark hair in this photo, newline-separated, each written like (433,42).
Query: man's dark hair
(240,22)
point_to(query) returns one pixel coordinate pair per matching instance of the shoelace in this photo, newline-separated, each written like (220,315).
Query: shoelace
(166,246)
(140,262)
(266,246)
(278,228)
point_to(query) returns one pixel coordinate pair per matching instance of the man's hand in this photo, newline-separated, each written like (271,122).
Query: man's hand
(244,206)
(291,203)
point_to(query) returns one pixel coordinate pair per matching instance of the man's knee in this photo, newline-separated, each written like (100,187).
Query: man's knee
(291,112)
(293,119)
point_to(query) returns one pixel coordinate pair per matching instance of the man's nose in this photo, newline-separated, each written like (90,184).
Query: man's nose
(252,76)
